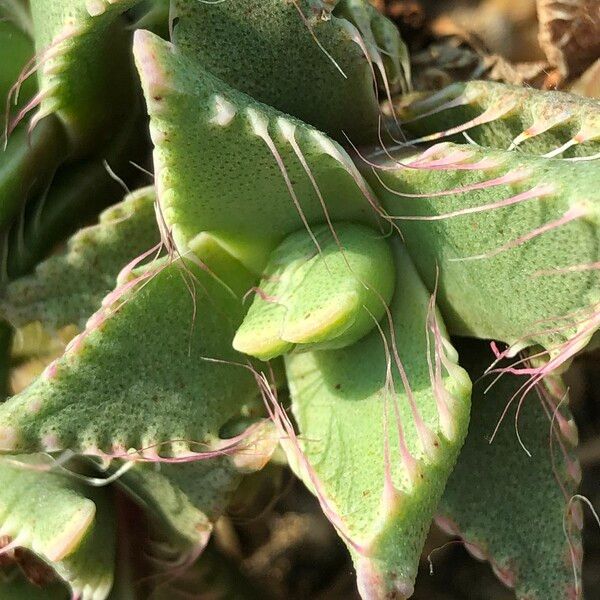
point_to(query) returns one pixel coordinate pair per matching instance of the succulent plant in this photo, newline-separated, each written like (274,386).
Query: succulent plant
(319,264)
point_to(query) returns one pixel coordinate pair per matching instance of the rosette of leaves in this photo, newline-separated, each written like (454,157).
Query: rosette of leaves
(364,240)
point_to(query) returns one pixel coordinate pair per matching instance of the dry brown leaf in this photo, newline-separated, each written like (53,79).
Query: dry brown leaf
(532,74)
(378,4)
(508,27)
(406,12)
(589,83)
(569,34)
(444,62)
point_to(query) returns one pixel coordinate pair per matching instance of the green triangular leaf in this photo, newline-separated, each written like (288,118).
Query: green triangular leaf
(17,49)
(27,166)
(514,238)
(510,507)
(87,270)
(387,52)
(274,49)
(86,79)
(187,499)
(221,157)
(499,115)
(69,526)
(79,191)
(339,399)
(136,377)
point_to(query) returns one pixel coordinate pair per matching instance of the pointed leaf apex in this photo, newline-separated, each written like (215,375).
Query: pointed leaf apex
(146,49)
(373,585)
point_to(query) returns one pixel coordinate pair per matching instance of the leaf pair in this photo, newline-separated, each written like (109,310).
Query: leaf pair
(136,417)
(323,289)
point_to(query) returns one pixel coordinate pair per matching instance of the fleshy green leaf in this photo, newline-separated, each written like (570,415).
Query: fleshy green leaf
(510,507)
(226,164)
(274,50)
(137,376)
(79,191)
(514,237)
(27,166)
(179,496)
(87,270)
(504,116)
(84,74)
(17,49)
(66,524)
(186,499)
(320,292)
(382,506)
(387,52)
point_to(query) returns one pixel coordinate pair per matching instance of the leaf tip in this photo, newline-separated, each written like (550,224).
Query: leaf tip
(375,585)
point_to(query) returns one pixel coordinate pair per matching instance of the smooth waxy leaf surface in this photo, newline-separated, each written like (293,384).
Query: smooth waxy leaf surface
(510,507)
(324,291)
(122,385)
(380,453)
